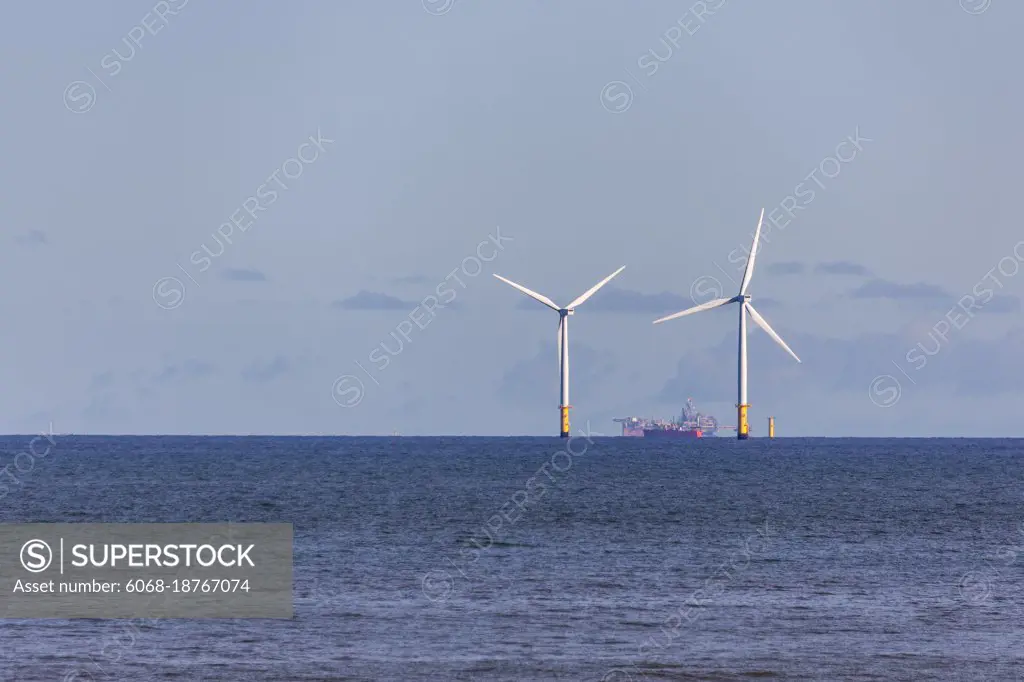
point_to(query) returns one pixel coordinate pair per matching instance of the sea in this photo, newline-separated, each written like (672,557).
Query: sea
(592,558)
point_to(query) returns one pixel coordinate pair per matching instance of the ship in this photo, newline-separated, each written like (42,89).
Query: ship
(689,424)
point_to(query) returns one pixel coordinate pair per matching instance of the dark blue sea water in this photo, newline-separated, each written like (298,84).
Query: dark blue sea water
(511,559)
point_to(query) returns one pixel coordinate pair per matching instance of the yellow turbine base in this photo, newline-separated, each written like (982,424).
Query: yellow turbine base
(771,427)
(564,410)
(742,427)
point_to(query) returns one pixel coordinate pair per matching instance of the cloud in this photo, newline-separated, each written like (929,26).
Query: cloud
(189,369)
(242,275)
(967,367)
(103,407)
(261,372)
(709,374)
(841,267)
(626,301)
(615,300)
(884,289)
(789,268)
(102,380)
(369,300)
(32,237)
(1003,303)
(978,368)
(534,380)
(411,279)
(933,297)
(412,407)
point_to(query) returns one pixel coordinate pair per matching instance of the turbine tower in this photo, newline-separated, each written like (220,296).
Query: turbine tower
(563,337)
(743,298)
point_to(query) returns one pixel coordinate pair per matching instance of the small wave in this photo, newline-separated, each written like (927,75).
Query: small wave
(478,544)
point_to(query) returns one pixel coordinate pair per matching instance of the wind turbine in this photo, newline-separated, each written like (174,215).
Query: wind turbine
(563,336)
(743,298)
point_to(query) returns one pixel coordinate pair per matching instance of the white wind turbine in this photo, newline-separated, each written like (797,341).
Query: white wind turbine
(742,427)
(563,336)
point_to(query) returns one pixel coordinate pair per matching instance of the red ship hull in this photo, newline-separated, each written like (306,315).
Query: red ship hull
(673,433)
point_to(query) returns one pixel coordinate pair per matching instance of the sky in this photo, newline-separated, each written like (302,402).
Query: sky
(283,218)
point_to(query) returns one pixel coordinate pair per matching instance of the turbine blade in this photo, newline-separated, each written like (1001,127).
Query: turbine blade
(697,308)
(763,324)
(592,290)
(748,272)
(532,294)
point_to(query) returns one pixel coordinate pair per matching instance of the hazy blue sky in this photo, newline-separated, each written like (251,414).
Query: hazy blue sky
(578,137)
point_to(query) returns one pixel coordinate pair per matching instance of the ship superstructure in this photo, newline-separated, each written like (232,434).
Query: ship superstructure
(689,424)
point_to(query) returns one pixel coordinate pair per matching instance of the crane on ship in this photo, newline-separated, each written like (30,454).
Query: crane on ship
(689,421)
